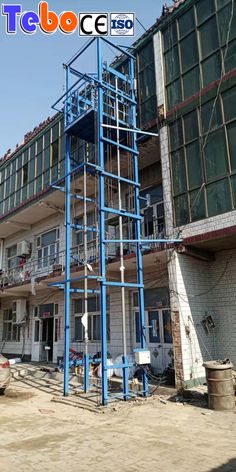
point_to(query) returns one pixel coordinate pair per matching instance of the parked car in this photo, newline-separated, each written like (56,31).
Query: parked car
(5,373)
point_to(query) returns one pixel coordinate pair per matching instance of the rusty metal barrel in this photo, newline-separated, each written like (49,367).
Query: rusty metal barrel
(221,395)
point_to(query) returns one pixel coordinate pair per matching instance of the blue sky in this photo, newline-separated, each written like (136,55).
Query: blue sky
(31,76)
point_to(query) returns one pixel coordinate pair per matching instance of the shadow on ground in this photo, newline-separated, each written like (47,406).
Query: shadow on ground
(229,467)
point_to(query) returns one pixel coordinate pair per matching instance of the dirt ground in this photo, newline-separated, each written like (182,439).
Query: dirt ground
(40,435)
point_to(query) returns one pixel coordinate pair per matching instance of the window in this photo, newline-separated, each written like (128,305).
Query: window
(178,172)
(147,84)
(211,69)
(93,319)
(186,22)
(194,165)
(48,248)
(11,331)
(231,130)
(191,82)
(204,9)
(157,318)
(229,100)
(215,155)
(152,207)
(36,331)
(218,197)
(12,259)
(25,174)
(208,37)
(195,44)
(181,210)
(203,150)
(189,51)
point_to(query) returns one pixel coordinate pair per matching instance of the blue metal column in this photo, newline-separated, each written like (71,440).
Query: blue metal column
(67,269)
(138,227)
(102,227)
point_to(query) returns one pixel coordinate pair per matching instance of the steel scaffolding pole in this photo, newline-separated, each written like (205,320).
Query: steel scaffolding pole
(102,226)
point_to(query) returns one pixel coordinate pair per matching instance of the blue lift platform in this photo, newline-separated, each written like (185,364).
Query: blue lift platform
(101,108)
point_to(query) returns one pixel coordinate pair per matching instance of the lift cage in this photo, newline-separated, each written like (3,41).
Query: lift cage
(100,108)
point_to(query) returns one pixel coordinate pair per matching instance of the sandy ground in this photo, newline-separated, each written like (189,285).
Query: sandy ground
(39,435)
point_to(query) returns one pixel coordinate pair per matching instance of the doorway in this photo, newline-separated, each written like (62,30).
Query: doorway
(47,337)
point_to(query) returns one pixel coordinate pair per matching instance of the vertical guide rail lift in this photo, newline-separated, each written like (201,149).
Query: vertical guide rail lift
(102,107)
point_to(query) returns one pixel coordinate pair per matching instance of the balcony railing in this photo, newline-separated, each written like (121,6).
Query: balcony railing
(54,264)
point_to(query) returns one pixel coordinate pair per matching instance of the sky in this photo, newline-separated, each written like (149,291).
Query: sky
(31,77)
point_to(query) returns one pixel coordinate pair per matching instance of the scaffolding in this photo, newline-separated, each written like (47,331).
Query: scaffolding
(100,108)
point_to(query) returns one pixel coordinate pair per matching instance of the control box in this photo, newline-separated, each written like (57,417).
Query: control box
(142,357)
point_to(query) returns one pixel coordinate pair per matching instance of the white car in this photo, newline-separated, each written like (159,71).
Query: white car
(5,373)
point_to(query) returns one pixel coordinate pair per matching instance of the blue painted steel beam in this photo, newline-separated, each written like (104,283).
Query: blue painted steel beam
(121,179)
(138,233)
(119,145)
(67,269)
(124,284)
(121,213)
(142,241)
(101,190)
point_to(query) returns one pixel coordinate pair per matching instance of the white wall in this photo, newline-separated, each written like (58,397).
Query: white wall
(198,288)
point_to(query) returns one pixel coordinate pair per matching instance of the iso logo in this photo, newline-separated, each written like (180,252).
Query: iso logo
(122,24)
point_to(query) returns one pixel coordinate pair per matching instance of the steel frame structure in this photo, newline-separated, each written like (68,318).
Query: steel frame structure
(92,110)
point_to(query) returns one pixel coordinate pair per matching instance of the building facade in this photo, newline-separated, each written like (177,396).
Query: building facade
(186,80)
(195,55)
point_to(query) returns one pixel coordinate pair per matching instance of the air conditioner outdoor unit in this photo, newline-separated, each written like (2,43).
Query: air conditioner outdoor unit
(21,310)
(23,248)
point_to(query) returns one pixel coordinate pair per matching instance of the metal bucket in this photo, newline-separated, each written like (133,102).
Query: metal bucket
(221,395)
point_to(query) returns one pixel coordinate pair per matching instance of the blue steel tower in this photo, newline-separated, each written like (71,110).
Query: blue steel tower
(101,108)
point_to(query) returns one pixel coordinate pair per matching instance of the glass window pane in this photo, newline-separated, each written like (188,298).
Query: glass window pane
(215,154)
(233,184)
(39,145)
(79,329)
(36,331)
(154,331)
(208,37)
(218,198)
(96,327)
(174,93)
(172,64)
(167,326)
(231,130)
(55,132)
(156,297)
(49,238)
(193,157)
(191,126)
(170,36)
(197,204)
(191,82)
(204,9)
(186,22)
(146,55)
(137,327)
(47,139)
(181,210)
(78,306)
(178,172)
(176,134)
(225,20)
(229,100)
(211,69)
(189,51)
(230,56)
(148,110)
(147,85)
(211,116)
